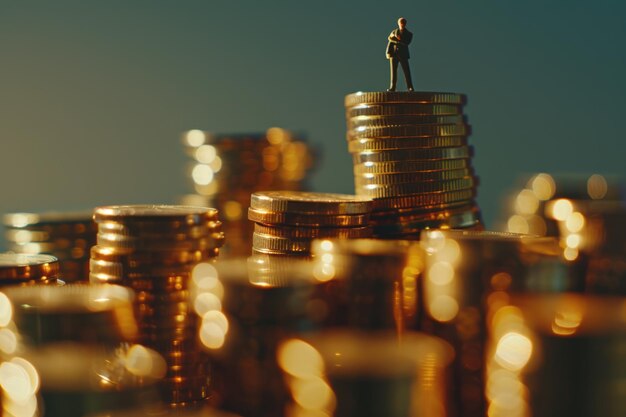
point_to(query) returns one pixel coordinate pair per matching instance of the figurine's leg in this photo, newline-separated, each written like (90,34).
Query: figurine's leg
(393,66)
(407,73)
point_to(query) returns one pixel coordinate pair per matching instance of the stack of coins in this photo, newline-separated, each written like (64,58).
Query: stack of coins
(411,155)
(568,343)
(587,213)
(467,276)
(158,251)
(265,301)
(226,168)
(24,269)
(286,222)
(556,205)
(76,340)
(66,236)
(375,282)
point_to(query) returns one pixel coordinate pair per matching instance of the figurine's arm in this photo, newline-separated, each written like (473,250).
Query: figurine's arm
(392,37)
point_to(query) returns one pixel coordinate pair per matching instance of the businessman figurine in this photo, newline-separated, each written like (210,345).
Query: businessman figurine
(398,52)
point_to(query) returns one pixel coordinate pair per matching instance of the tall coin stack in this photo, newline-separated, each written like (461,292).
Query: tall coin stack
(226,168)
(411,155)
(286,222)
(157,251)
(66,236)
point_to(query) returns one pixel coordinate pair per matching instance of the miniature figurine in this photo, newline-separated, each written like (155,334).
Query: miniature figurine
(398,51)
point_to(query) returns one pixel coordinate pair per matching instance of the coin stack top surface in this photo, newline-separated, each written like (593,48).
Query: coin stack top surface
(411,155)
(226,168)
(163,253)
(65,235)
(286,222)
(17,269)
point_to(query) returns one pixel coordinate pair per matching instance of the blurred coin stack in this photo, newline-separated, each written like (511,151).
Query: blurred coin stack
(77,342)
(66,236)
(545,205)
(587,213)
(226,168)
(266,299)
(158,251)
(286,222)
(375,281)
(25,270)
(411,155)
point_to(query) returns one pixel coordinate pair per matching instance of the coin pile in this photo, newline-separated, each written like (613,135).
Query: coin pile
(66,236)
(25,270)
(226,168)
(546,205)
(411,155)
(77,340)
(375,281)
(265,302)
(156,250)
(286,222)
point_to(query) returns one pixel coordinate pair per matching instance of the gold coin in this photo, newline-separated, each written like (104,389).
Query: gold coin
(152,258)
(390,216)
(422,216)
(294,255)
(273,244)
(422,187)
(26,267)
(119,269)
(187,215)
(421,200)
(268,270)
(413,177)
(158,231)
(417,154)
(396,167)
(466,219)
(377,97)
(361,247)
(402,109)
(313,232)
(296,219)
(458,129)
(310,203)
(402,120)
(389,144)
(62,252)
(212,241)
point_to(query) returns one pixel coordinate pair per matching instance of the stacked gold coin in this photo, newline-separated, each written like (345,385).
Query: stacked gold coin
(557,205)
(78,341)
(156,250)
(375,281)
(25,269)
(266,299)
(66,236)
(411,155)
(226,168)
(286,222)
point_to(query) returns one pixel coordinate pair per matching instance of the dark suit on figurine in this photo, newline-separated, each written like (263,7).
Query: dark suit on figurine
(398,52)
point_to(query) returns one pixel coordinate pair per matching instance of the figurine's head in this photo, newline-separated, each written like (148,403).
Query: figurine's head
(401,23)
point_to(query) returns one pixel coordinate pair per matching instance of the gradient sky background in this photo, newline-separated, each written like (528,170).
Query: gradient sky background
(94,95)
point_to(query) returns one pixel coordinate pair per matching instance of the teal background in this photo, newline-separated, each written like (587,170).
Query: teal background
(94,94)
